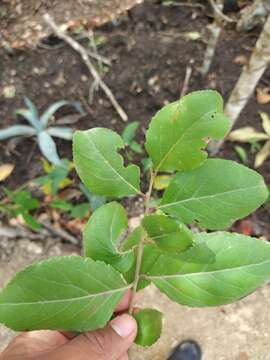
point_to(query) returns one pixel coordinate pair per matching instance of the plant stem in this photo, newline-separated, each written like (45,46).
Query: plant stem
(147,198)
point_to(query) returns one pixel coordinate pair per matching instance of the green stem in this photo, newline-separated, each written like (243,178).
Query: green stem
(147,198)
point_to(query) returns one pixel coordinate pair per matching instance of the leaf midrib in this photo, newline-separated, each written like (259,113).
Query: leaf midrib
(210,196)
(43,302)
(112,168)
(244,267)
(177,142)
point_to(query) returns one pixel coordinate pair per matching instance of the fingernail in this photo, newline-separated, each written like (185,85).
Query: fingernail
(123,325)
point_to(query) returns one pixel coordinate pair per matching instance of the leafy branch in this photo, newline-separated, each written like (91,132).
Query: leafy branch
(193,269)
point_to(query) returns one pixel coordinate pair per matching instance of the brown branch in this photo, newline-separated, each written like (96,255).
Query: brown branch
(85,57)
(186,81)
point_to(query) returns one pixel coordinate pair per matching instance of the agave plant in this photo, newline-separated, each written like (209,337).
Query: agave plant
(39,128)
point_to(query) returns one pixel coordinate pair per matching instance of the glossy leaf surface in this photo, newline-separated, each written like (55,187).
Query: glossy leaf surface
(167,233)
(65,293)
(102,236)
(215,194)
(176,135)
(101,167)
(221,268)
(149,322)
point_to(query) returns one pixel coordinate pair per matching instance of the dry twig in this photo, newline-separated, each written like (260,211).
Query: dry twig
(186,81)
(60,233)
(85,57)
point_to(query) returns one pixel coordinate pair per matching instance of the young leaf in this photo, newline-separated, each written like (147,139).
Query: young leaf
(80,211)
(102,235)
(25,200)
(215,194)
(61,205)
(167,233)
(241,152)
(129,132)
(176,135)
(64,293)
(132,239)
(101,167)
(149,322)
(31,221)
(221,268)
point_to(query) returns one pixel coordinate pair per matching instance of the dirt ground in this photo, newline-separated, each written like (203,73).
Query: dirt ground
(22,21)
(150,50)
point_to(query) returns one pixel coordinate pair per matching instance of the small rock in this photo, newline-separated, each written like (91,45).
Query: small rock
(9,92)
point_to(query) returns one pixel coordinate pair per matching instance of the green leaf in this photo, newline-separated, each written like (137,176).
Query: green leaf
(102,236)
(149,322)
(101,167)
(31,221)
(63,293)
(61,205)
(215,194)
(241,152)
(136,147)
(147,164)
(167,233)
(80,211)
(132,239)
(25,200)
(129,132)
(176,135)
(221,268)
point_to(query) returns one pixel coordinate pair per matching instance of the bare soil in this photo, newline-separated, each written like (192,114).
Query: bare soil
(150,51)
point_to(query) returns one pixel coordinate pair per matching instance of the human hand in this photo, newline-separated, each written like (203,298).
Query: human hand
(109,343)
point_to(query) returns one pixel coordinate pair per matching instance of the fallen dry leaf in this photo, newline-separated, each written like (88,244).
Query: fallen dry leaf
(240,60)
(263,95)
(247,134)
(5,171)
(75,226)
(262,155)
(265,122)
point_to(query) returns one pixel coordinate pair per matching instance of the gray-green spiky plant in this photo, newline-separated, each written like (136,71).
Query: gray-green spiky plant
(39,127)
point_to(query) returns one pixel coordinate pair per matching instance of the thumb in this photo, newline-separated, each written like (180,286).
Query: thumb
(110,343)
